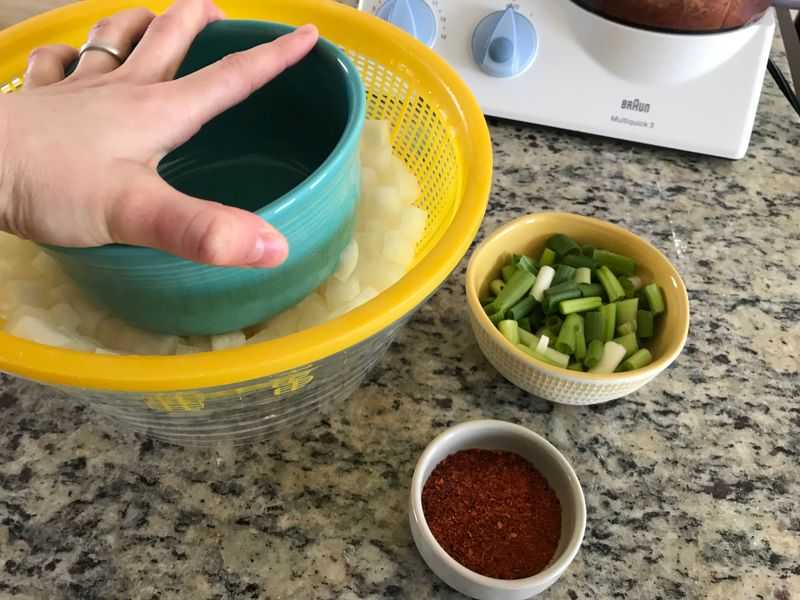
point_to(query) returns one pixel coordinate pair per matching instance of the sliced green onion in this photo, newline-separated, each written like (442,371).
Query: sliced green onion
(613,354)
(593,354)
(580,339)
(487,301)
(639,360)
(591,289)
(626,311)
(575,366)
(564,273)
(610,283)
(563,244)
(507,272)
(548,257)
(626,328)
(541,346)
(558,358)
(587,250)
(551,357)
(583,275)
(543,281)
(655,298)
(510,330)
(577,260)
(514,290)
(497,286)
(525,262)
(536,317)
(553,324)
(527,338)
(630,344)
(524,324)
(609,312)
(567,341)
(644,324)
(580,305)
(594,326)
(631,285)
(497,317)
(619,264)
(558,293)
(522,308)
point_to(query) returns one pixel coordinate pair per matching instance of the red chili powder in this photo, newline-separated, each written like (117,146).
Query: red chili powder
(493,512)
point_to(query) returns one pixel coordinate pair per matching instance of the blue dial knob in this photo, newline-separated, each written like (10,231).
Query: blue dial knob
(504,43)
(414,16)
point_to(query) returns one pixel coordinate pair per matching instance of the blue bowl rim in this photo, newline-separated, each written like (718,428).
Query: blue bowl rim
(350,136)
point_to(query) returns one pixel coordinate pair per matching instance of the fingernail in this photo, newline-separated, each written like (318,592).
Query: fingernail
(269,251)
(306,30)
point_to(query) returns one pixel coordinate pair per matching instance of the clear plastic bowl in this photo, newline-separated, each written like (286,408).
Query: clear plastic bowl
(438,130)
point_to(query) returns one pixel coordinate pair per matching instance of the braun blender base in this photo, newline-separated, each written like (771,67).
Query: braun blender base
(696,92)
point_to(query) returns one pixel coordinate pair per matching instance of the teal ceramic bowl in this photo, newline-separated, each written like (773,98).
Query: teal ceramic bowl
(290,153)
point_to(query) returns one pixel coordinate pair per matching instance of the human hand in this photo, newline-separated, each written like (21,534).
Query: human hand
(81,170)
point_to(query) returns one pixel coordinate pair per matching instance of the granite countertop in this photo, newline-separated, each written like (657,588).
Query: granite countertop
(691,484)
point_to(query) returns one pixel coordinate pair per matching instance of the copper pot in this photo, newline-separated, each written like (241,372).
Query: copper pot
(689,16)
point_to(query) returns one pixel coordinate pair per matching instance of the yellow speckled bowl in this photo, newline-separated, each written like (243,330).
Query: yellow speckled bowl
(527,235)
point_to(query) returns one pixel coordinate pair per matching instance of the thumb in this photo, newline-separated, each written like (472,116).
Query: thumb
(154,214)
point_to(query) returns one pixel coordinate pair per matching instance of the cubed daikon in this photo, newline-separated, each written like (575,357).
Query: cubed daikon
(398,248)
(227,341)
(348,261)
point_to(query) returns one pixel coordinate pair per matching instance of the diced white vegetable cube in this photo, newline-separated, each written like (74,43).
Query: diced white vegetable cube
(44,264)
(338,293)
(369,178)
(379,158)
(106,352)
(90,317)
(201,342)
(348,261)
(24,293)
(38,330)
(64,317)
(376,134)
(227,341)
(398,176)
(381,274)
(388,206)
(398,248)
(367,294)
(265,335)
(312,311)
(117,335)
(412,223)
(184,349)
(66,292)
(285,323)
(370,244)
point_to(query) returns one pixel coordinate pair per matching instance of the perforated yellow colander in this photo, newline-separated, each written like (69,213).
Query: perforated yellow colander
(440,133)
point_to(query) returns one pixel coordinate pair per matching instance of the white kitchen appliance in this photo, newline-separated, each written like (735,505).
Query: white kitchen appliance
(554,63)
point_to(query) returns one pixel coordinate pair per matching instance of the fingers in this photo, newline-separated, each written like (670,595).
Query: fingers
(206,93)
(121,31)
(158,216)
(47,65)
(168,39)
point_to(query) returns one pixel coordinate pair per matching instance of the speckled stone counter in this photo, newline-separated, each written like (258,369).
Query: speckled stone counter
(691,484)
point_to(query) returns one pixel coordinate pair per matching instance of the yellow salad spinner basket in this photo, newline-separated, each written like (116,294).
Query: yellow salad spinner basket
(251,392)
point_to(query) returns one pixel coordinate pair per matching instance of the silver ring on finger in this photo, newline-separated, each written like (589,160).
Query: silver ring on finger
(102,47)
